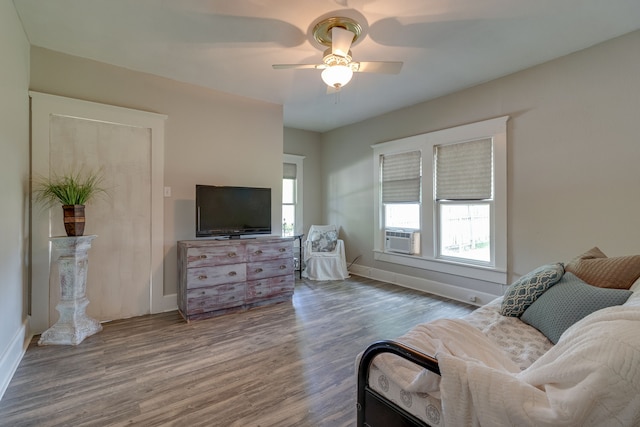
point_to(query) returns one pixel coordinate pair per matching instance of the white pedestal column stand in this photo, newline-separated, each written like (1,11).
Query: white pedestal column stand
(74,325)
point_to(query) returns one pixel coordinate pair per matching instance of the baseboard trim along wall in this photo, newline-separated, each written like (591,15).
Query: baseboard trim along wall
(469,296)
(13,355)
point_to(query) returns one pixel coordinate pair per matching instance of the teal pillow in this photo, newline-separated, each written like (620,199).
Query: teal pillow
(568,301)
(524,291)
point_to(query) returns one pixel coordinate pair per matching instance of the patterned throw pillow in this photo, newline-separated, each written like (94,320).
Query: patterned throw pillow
(324,241)
(595,268)
(524,291)
(568,301)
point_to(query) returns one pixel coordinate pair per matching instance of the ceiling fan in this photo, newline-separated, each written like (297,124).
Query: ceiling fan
(339,33)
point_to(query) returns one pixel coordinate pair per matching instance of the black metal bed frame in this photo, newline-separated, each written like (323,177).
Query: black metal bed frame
(374,410)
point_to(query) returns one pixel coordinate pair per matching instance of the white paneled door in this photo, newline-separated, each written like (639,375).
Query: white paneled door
(125,261)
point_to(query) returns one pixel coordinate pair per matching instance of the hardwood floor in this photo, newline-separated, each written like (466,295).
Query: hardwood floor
(292,364)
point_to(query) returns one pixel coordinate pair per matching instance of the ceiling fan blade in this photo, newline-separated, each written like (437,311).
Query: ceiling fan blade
(381,67)
(298,66)
(341,40)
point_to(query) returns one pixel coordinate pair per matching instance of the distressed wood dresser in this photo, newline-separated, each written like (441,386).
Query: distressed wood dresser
(222,276)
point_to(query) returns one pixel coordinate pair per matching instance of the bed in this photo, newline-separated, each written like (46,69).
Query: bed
(561,347)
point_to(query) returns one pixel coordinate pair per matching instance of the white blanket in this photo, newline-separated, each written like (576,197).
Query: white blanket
(443,336)
(591,377)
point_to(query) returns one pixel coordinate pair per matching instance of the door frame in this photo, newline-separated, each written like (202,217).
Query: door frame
(43,106)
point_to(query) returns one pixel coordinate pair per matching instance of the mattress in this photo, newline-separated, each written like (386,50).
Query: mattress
(521,342)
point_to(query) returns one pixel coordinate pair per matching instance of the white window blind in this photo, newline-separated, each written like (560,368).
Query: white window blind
(289,171)
(401,174)
(464,171)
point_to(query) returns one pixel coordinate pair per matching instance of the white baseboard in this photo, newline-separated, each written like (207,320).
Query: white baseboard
(12,356)
(469,296)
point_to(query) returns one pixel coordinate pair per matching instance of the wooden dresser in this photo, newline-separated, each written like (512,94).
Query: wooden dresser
(222,276)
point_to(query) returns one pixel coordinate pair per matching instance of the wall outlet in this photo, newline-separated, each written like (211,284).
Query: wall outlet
(167,191)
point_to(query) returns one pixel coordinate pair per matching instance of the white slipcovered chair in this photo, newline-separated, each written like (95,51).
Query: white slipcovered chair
(324,254)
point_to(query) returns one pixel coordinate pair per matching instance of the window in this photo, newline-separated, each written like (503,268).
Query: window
(401,184)
(292,195)
(460,208)
(289,201)
(464,231)
(463,176)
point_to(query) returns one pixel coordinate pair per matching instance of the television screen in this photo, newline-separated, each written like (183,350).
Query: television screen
(232,211)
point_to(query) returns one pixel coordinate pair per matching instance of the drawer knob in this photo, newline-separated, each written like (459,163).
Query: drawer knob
(232,273)
(282,267)
(202,277)
(258,270)
(203,256)
(258,252)
(232,255)
(283,249)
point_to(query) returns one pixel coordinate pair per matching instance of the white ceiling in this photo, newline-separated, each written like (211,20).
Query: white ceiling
(230,45)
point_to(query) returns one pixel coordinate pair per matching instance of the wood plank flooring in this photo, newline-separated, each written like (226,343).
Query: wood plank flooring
(291,364)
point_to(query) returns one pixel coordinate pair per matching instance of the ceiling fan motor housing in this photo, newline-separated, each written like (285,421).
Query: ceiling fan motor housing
(322,30)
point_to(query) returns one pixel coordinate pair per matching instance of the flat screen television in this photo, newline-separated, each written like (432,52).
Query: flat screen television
(232,211)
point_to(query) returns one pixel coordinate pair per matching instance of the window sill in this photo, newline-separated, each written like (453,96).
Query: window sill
(487,274)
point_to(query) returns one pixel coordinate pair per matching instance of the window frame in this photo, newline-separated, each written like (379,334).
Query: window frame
(429,259)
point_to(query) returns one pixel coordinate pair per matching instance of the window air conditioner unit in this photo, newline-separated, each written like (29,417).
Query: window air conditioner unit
(405,242)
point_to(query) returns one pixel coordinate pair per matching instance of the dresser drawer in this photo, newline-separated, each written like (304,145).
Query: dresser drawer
(208,276)
(207,256)
(283,285)
(268,251)
(257,290)
(270,287)
(201,300)
(277,267)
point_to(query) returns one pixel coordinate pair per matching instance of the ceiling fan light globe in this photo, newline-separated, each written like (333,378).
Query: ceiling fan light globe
(337,75)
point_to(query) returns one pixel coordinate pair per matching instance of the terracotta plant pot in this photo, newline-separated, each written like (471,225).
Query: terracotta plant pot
(73,219)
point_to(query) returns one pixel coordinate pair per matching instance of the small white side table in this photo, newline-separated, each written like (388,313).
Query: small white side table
(74,325)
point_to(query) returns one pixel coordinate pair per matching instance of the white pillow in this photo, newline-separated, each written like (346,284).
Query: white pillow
(634,299)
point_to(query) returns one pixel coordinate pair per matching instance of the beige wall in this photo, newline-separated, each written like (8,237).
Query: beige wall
(307,144)
(210,137)
(573,154)
(14,175)
(572,150)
